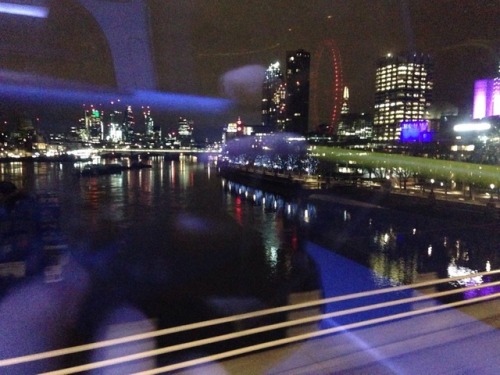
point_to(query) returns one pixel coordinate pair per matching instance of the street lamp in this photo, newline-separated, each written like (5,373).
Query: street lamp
(432,197)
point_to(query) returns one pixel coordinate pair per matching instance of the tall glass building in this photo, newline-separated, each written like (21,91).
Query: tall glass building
(297,91)
(273,97)
(94,129)
(128,125)
(403,88)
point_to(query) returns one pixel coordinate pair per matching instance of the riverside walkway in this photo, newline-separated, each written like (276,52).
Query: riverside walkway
(453,204)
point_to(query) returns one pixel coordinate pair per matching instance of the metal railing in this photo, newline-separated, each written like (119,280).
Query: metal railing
(271,327)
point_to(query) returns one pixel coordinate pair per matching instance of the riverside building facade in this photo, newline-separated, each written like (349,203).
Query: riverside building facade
(403,92)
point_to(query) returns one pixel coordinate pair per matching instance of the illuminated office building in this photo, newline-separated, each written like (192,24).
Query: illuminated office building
(93,123)
(487,97)
(403,88)
(273,97)
(185,132)
(128,125)
(355,127)
(115,127)
(153,131)
(148,121)
(297,91)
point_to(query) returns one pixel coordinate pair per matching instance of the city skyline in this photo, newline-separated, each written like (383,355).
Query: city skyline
(363,30)
(197,54)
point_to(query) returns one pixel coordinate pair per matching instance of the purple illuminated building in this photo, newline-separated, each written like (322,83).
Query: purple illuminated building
(486,98)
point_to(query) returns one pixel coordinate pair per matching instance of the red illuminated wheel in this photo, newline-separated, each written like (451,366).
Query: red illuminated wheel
(327,49)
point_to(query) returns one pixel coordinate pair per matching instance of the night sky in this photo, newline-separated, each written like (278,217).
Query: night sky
(220,48)
(225,35)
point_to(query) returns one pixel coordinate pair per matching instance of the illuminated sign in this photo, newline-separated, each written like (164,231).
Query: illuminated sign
(480,90)
(415,130)
(472,126)
(486,98)
(232,127)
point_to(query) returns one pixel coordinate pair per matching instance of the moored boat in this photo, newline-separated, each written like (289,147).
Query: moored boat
(100,169)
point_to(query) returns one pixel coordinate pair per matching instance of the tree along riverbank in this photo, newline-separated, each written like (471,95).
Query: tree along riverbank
(448,207)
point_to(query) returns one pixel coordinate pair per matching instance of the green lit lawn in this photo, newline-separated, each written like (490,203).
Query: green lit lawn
(478,174)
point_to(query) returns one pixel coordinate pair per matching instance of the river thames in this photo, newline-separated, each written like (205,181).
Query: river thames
(181,244)
(181,217)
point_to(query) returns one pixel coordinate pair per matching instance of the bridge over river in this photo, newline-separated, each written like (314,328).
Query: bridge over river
(86,153)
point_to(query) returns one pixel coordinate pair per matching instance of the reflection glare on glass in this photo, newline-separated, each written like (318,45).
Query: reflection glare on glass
(455,271)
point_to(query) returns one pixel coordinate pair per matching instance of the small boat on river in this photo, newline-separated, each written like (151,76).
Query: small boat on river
(89,170)
(92,170)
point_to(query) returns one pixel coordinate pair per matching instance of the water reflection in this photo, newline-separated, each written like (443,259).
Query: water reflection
(268,233)
(282,225)
(402,248)
(270,202)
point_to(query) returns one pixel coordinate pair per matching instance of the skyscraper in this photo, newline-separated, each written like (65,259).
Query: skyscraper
(273,97)
(115,126)
(153,131)
(94,127)
(345,101)
(149,123)
(185,132)
(297,91)
(128,125)
(403,88)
